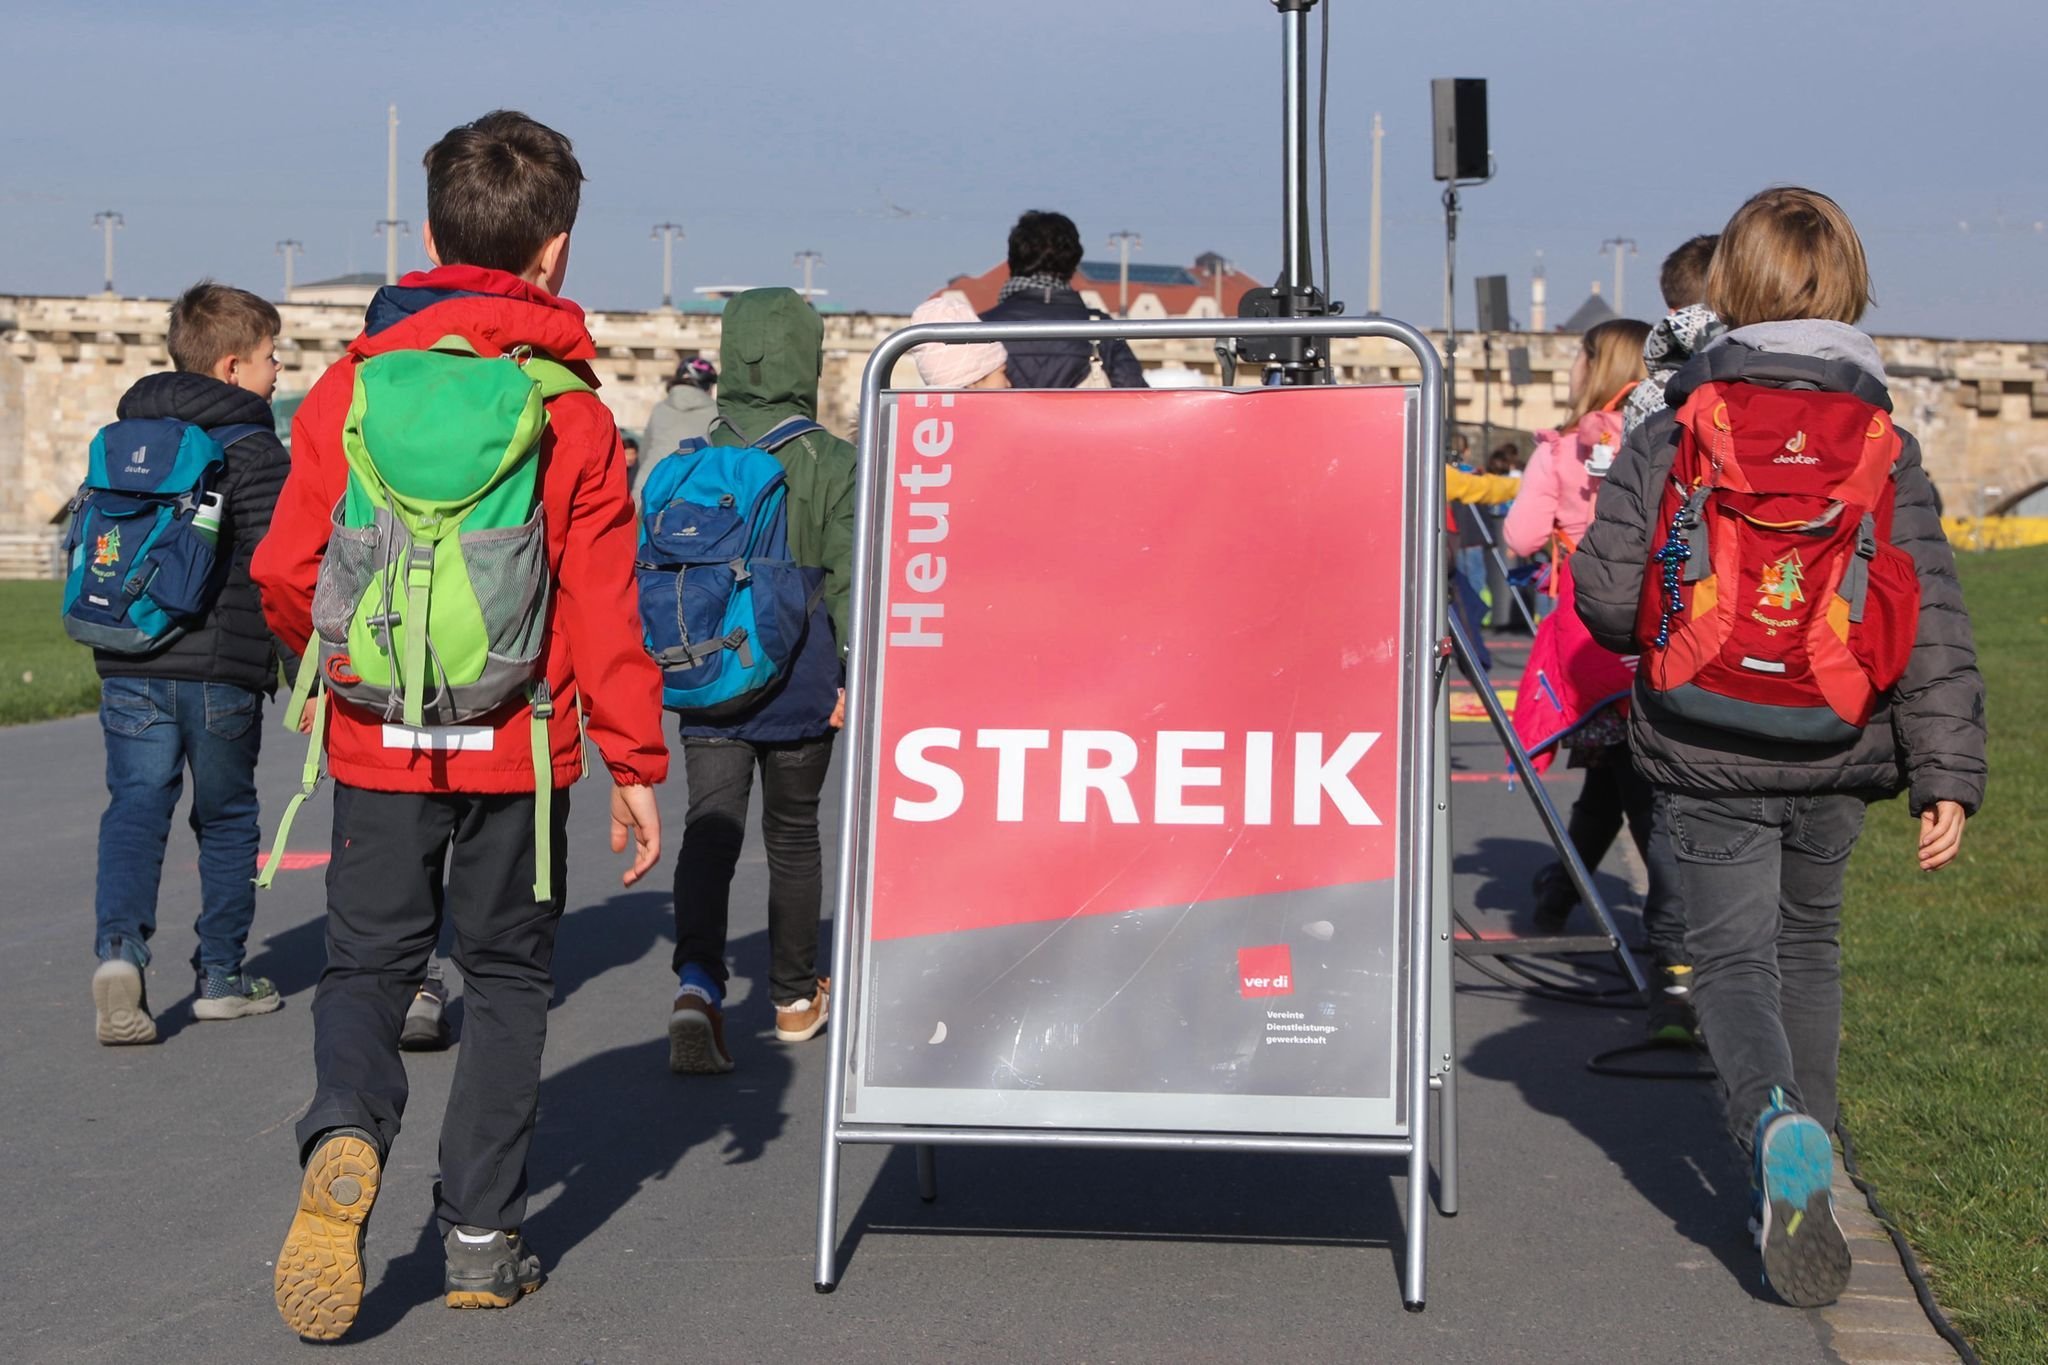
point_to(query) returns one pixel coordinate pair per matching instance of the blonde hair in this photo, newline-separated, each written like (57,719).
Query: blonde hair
(1614,363)
(1788,253)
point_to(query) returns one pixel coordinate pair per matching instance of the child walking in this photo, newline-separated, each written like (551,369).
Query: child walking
(1771,544)
(482,803)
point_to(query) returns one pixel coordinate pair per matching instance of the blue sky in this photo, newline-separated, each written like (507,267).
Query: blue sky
(767,128)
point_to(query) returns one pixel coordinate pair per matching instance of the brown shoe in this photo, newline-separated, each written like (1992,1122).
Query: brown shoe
(696,1037)
(319,1278)
(801,1022)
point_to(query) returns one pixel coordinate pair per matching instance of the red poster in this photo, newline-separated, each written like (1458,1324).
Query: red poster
(1155,661)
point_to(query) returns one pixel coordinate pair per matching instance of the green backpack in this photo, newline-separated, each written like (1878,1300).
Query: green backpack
(432,602)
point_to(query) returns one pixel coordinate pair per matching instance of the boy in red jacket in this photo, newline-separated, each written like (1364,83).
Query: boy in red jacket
(501,198)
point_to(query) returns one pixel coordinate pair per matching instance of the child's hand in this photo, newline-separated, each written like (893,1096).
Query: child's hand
(839,711)
(1941,835)
(633,810)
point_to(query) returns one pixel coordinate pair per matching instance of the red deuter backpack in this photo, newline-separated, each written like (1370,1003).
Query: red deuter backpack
(1775,604)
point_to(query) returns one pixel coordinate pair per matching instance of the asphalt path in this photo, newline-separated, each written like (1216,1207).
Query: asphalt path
(148,1189)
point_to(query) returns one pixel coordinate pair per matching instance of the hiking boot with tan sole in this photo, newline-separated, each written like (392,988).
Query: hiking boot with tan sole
(319,1280)
(696,1037)
(802,1021)
(121,1002)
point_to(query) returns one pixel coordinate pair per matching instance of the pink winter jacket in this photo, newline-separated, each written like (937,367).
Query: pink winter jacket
(1557,489)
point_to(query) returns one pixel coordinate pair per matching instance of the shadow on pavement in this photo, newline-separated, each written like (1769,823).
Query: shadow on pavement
(599,1164)
(1027,1193)
(1503,866)
(597,938)
(1667,1137)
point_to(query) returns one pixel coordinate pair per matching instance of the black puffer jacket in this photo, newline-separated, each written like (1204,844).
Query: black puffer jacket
(1060,364)
(1927,735)
(232,644)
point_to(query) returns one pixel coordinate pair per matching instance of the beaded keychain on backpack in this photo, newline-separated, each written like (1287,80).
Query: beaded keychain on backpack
(1676,549)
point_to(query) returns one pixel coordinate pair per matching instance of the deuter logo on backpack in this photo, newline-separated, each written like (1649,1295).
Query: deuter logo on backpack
(1774,603)
(723,606)
(141,567)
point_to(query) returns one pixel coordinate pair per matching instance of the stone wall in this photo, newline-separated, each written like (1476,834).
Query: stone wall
(1980,408)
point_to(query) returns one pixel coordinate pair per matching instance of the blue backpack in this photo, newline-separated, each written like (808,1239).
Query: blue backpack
(141,572)
(723,606)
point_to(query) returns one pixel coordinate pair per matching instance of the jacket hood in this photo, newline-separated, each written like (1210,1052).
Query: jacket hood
(688,399)
(492,310)
(770,355)
(1809,353)
(196,398)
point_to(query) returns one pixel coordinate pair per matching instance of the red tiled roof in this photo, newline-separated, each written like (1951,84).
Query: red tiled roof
(981,290)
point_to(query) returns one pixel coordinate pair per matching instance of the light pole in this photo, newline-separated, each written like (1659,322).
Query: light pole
(288,248)
(1617,243)
(1124,242)
(107,220)
(808,260)
(390,227)
(668,233)
(1222,268)
(1372,287)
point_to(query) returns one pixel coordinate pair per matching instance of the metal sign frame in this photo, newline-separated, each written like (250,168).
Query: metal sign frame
(1421,884)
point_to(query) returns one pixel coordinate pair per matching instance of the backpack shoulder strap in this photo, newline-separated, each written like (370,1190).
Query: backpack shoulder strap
(236,432)
(782,433)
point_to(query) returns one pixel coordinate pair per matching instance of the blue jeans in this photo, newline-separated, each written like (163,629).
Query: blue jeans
(1761,878)
(156,728)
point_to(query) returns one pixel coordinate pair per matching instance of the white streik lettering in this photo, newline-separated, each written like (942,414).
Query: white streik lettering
(1078,777)
(1173,777)
(1010,746)
(1313,776)
(1100,763)
(947,790)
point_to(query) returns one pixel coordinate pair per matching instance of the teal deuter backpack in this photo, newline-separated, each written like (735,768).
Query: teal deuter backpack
(431,607)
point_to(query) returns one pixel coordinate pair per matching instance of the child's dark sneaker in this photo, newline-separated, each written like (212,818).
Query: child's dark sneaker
(319,1281)
(234,995)
(696,1037)
(1671,1017)
(121,1001)
(489,1269)
(1806,1257)
(801,1021)
(426,1019)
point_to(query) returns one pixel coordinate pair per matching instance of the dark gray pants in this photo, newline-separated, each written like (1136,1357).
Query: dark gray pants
(721,779)
(1762,882)
(385,897)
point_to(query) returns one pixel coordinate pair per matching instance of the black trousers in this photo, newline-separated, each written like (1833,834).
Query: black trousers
(385,897)
(721,779)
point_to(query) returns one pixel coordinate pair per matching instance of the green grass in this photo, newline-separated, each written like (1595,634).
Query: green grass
(43,674)
(1945,1046)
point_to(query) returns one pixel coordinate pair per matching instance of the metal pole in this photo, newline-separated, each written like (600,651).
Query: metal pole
(289,248)
(808,259)
(1617,243)
(1123,242)
(667,233)
(107,220)
(1294,269)
(1450,311)
(1372,287)
(391,201)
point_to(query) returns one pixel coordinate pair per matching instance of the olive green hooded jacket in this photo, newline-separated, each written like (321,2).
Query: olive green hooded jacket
(769,359)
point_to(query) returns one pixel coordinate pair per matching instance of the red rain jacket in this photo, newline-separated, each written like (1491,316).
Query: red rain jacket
(595,660)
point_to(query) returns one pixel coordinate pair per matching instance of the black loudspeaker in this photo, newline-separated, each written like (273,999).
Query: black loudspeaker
(1459,108)
(1518,366)
(1492,293)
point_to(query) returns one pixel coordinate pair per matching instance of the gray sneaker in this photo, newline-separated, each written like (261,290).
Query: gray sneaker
(234,995)
(489,1269)
(426,1019)
(122,1002)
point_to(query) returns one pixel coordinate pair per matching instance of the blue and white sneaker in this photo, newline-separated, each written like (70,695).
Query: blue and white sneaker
(1806,1257)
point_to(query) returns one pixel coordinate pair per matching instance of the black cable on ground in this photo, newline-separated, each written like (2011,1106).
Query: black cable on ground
(1921,1290)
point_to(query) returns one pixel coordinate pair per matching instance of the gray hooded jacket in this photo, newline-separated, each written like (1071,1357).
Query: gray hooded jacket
(1927,735)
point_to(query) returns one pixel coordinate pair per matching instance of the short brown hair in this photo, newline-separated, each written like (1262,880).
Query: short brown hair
(210,322)
(1684,275)
(499,189)
(1614,364)
(1788,253)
